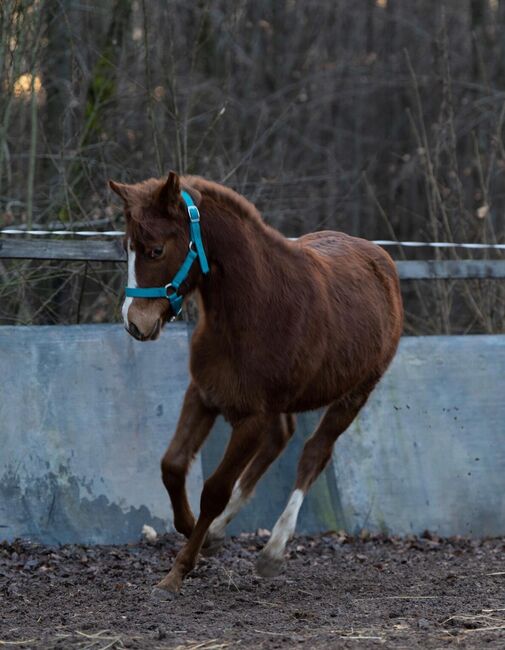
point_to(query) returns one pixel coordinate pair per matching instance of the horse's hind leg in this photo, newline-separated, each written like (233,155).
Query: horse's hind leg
(194,425)
(316,453)
(273,440)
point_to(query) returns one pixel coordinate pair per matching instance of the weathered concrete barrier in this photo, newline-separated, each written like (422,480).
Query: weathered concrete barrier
(86,413)
(429,450)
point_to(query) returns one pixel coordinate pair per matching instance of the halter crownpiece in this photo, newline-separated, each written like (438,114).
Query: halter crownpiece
(196,250)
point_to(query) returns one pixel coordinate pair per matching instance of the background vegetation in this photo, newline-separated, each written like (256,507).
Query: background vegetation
(382,118)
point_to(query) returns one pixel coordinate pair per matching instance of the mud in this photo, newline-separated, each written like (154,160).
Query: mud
(336,592)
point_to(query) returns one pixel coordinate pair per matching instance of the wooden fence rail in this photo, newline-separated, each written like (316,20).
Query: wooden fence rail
(112,251)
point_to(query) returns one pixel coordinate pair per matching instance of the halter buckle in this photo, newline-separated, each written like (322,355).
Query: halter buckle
(194,215)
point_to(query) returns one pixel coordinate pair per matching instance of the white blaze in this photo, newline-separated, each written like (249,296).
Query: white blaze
(132,281)
(285,527)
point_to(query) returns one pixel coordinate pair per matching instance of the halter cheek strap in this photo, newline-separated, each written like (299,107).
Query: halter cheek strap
(196,250)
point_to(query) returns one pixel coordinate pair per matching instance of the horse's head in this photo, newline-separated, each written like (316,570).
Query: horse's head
(157,241)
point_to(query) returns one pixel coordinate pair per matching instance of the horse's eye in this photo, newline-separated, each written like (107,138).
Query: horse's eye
(156,252)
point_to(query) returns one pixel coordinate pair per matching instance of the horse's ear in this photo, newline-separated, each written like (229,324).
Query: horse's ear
(121,189)
(170,191)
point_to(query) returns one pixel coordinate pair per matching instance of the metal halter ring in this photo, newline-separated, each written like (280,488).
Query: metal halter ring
(167,287)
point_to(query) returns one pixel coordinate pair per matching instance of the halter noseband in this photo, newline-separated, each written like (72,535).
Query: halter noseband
(195,250)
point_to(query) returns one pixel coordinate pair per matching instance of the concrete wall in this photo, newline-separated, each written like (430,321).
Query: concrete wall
(86,413)
(429,450)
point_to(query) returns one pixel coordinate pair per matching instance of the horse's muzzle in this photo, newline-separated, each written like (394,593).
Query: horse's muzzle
(134,331)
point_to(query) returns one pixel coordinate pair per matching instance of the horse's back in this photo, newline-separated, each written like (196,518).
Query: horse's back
(350,258)
(342,247)
(362,299)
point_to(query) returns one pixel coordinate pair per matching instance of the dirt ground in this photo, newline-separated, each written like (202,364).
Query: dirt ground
(336,592)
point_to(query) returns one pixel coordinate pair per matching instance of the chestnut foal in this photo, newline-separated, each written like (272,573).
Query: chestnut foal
(284,326)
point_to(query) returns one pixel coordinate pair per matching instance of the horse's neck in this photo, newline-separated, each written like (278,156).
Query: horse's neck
(247,259)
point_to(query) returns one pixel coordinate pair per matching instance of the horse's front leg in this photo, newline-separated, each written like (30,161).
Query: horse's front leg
(215,495)
(195,422)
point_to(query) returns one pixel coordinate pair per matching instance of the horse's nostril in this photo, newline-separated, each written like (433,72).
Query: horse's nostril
(134,331)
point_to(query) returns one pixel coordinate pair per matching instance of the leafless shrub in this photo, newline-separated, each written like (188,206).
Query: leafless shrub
(370,117)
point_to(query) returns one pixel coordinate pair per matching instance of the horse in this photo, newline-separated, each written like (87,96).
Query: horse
(284,326)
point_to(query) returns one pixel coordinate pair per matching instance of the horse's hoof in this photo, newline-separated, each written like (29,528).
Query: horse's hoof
(168,588)
(212,545)
(268,566)
(162,595)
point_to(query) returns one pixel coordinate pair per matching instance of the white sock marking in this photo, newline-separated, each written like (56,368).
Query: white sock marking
(132,281)
(237,500)
(285,526)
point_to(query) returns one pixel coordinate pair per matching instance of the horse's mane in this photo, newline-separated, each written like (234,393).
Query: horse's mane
(223,194)
(144,228)
(140,226)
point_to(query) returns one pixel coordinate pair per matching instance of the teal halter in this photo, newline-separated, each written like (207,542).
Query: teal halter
(196,250)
